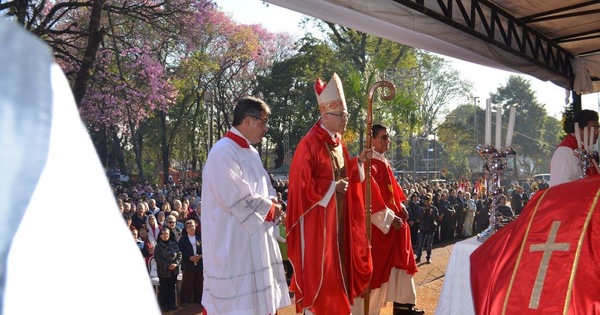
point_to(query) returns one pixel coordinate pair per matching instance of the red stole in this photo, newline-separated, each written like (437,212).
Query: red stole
(237,139)
(546,261)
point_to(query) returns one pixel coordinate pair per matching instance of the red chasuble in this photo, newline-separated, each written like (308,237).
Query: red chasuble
(393,249)
(313,230)
(546,261)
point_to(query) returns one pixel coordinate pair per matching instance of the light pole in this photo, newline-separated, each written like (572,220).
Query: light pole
(209,118)
(414,149)
(475,102)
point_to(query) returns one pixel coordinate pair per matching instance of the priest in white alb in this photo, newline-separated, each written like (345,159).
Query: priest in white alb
(243,268)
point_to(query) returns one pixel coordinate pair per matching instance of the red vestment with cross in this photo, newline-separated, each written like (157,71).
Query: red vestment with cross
(546,261)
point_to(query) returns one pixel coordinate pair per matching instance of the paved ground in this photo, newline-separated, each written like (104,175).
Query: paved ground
(428,281)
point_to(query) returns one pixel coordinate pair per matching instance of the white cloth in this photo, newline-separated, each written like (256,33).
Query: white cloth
(456,295)
(192,239)
(243,268)
(564,166)
(400,288)
(71,274)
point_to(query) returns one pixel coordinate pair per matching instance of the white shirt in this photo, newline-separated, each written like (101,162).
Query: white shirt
(192,239)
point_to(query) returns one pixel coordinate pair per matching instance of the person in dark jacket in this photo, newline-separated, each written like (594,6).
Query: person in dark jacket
(413,219)
(448,215)
(428,217)
(190,244)
(168,259)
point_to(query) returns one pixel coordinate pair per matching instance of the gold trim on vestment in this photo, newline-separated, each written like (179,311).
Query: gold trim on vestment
(578,252)
(514,274)
(576,259)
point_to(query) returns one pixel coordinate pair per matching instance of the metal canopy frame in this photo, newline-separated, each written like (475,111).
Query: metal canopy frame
(502,30)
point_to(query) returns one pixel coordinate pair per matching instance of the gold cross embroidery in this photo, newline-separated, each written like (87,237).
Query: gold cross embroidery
(547,248)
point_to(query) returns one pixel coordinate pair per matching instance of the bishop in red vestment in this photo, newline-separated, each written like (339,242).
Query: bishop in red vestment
(327,242)
(546,261)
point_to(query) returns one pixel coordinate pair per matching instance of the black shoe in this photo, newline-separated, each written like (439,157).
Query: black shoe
(173,307)
(418,260)
(164,308)
(411,311)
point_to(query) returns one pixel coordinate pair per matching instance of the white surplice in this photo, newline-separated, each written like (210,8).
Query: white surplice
(243,269)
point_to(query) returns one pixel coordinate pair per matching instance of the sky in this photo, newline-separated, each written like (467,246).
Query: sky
(278,19)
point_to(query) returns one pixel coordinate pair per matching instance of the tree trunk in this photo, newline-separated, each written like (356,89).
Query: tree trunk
(96,32)
(118,152)
(99,139)
(138,140)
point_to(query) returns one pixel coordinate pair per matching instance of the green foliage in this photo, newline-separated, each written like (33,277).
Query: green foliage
(457,135)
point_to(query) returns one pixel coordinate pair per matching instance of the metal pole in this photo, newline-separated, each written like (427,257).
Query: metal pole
(414,148)
(427,161)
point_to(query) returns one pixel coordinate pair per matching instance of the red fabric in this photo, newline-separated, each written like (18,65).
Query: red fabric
(507,255)
(393,249)
(319,86)
(237,139)
(317,283)
(571,142)
(271,215)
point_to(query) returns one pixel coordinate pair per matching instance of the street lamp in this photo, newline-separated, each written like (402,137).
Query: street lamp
(475,105)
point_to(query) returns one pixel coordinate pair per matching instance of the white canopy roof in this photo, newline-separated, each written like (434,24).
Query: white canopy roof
(556,41)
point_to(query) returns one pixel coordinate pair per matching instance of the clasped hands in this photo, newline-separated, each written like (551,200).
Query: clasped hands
(195,258)
(397,223)
(278,213)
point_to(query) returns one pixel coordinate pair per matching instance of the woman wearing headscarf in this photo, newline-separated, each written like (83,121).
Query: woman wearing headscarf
(168,260)
(153,228)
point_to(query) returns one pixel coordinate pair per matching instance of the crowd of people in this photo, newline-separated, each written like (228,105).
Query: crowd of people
(165,224)
(436,212)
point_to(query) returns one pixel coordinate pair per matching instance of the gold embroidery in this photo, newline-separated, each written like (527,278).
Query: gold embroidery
(547,248)
(331,106)
(520,256)
(578,251)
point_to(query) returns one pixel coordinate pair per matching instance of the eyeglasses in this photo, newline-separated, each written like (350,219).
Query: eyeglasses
(340,115)
(264,121)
